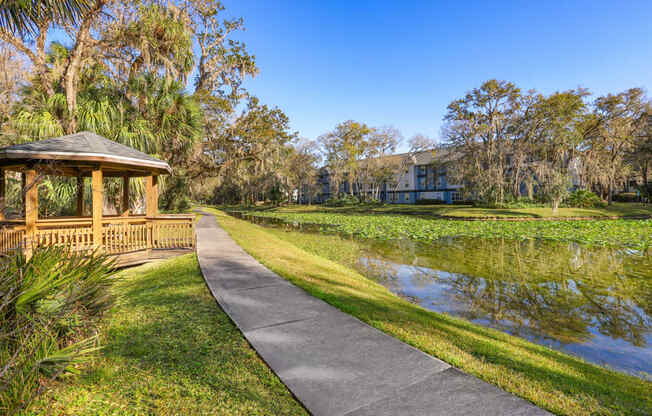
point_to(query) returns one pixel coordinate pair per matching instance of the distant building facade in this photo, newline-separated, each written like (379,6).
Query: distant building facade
(421,176)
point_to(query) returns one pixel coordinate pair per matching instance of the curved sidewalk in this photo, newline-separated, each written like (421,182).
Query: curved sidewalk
(333,363)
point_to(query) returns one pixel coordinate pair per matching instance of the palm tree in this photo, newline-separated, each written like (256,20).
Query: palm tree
(24,16)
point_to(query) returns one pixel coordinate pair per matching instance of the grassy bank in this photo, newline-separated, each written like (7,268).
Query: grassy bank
(631,233)
(170,350)
(553,380)
(620,210)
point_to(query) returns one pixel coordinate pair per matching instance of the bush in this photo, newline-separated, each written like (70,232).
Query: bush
(519,203)
(180,204)
(582,198)
(176,195)
(373,202)
(429,201)
(48,315)
(228,194)
(342,201)
(627,197)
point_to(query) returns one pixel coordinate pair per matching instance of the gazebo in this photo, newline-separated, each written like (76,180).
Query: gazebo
(129,238)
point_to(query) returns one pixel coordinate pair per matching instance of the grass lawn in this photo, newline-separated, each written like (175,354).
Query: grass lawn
(468,211)
(556,381)
(170,350)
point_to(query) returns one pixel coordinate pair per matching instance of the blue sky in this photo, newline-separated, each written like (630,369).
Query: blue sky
(401,63)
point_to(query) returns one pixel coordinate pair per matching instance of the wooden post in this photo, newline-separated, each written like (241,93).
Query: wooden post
(2,194)
(98,201)
(80,195)
(23,186)
(30,192)
(151,192)
(125,196)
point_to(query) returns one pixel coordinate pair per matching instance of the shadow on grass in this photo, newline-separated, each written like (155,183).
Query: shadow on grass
(169,333)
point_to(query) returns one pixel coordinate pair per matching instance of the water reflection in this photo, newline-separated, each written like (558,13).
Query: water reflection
(592,302)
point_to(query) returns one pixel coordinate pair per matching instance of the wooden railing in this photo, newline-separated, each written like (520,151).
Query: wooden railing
(120,234)
(74,238)
(125,237)
(171,232)
(11,238)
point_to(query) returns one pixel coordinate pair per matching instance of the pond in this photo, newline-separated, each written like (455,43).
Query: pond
(593,302)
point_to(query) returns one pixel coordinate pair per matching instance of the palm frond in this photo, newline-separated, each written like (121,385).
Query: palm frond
(24,16)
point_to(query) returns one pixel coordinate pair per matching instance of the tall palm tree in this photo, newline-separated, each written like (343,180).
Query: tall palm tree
(24,16)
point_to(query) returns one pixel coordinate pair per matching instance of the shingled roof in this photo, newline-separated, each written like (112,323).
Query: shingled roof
(83,146)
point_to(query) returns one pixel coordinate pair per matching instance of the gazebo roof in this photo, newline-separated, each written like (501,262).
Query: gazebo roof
(75,149)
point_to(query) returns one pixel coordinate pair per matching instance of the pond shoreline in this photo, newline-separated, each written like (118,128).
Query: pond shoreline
(556,381)
(529,276)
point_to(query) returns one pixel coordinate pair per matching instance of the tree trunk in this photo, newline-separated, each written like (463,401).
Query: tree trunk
(71,73)
(42,69)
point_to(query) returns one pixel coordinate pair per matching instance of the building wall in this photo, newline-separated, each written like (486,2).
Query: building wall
(415,182)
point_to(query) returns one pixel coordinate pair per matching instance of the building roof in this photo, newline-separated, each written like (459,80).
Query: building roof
(423,157)
(440,154)
(84,146)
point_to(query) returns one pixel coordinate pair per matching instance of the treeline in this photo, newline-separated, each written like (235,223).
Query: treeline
(163,77)
(505,141)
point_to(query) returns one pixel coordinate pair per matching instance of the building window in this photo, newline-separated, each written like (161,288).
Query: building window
(455,196)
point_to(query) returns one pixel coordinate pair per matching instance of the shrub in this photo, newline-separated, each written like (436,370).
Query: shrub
(48,314)
(582,198)
(627,197)
(181,204)
(227,193)
(176,195)
(373,202)
(519,203)
(342,201)
(425,201)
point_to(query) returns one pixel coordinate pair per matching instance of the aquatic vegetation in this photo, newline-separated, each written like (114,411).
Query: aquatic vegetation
(589,301)
(630,233)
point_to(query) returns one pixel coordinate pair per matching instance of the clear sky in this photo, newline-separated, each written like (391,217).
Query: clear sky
(401,63)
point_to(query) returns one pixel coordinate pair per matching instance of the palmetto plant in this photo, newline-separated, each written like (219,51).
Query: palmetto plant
(49,306)
(23,16)
(151,114)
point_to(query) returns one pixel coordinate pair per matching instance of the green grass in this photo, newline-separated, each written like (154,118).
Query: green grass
(170,350)
(556,381)
(631,233)
(619,210)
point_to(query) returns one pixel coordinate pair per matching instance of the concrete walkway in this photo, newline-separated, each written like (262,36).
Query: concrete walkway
(332,362)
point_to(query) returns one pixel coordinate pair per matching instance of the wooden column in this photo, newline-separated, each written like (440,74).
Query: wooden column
(80,195)
(151,201)
(23,186)
(125,196)
(2,194)
(98,201)
(151,192)
(30,192)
